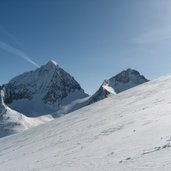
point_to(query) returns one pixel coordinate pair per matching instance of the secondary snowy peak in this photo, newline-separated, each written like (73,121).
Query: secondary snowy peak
(126,79)
(123,81)
(42,91)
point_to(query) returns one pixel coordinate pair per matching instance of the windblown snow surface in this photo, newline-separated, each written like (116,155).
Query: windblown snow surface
(127,132)
(12,122)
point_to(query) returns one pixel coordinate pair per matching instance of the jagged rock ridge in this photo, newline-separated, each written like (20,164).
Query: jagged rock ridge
(124,80)
(42,91)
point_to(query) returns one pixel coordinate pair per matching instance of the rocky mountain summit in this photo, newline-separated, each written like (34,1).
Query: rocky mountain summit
(123,81)
(42,91)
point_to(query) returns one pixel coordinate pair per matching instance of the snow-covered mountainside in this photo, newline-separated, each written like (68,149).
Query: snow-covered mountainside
(45,90)
(123,81)
(127,132)
(12,122)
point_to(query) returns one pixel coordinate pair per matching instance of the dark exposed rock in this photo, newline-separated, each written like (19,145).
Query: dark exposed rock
(47,87)
(121,82)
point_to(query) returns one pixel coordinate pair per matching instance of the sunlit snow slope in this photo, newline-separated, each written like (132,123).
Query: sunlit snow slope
(127,132)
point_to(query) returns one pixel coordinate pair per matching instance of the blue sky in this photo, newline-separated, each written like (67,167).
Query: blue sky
(91,39)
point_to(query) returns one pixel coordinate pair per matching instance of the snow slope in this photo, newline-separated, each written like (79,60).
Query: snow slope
(127,132)
(12,122)
(123,81)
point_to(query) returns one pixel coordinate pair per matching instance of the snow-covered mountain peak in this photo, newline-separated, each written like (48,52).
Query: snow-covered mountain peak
(52,63)
(51,66)
(42,91)
(127,76)
(124,80)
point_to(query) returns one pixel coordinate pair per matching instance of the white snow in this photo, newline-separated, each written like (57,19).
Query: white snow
(1,97)
(108,88)
(12,122)
(53,62)
(127,132)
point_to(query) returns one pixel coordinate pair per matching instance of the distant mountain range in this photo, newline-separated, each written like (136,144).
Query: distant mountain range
(38,96)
